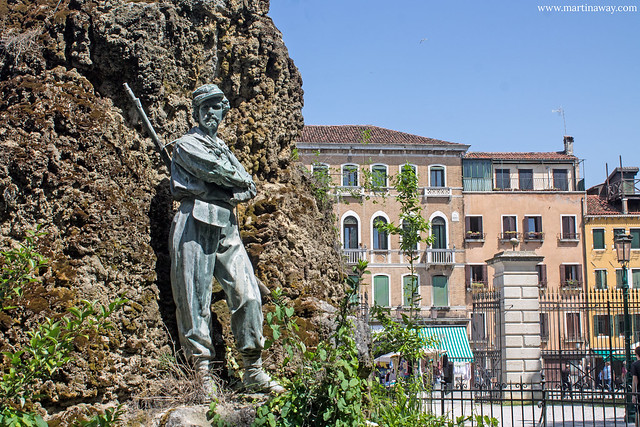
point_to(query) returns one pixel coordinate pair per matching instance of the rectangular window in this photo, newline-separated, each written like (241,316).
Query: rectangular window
(601,279)
(437,176)
(381,290)
(544,326)
(569,227)
(635,238)
(619,278)
(503,181)
(573,326)
(598,238)
(618,324)
(410,291)
(533,228)
(635,278)
(440,291)
(571,275)
(350,176)
(476,175)
(525,179)
(473,227)
(379,176)
(478,328)
(560,179)
(542,275)
(475,275)
(509,227)
(601,325)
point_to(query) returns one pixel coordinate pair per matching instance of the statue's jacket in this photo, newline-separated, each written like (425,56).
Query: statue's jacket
(206,173)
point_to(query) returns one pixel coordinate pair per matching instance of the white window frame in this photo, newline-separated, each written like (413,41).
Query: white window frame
(342,166)
(604,237)
(446,224)
(373,289)
(575,226)
(502,222)
(372,228)
(357,217)
(402,282)
(415,167)
(386,169)
(444,174)
(606,275)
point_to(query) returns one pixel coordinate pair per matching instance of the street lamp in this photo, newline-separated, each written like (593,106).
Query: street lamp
(623,249)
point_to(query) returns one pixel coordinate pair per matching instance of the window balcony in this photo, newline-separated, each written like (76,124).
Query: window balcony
(433,192)
(474,236)
(508,235)
(533,236)
(353,256)
(441,256)
(353,191)
(568,237)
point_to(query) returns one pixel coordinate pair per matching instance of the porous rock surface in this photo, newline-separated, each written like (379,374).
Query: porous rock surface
(74,158)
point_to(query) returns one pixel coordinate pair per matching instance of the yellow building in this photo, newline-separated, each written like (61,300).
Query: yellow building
(612,208)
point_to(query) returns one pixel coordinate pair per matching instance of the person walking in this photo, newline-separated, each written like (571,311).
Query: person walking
(605,377)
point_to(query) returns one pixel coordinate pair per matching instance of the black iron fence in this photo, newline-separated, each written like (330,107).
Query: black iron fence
(527,404)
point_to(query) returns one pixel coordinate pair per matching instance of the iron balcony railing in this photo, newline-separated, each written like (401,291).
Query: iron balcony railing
(516,184)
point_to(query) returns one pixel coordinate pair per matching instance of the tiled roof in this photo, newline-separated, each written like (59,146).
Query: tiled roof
(597,205)
(354,134)
(521,156)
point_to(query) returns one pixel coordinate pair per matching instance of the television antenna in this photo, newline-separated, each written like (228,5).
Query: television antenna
(560,111)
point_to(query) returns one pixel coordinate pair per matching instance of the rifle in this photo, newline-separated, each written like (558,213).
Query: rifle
(162,149)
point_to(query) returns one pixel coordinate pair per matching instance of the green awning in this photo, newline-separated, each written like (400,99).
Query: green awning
(606,354)
(452,340)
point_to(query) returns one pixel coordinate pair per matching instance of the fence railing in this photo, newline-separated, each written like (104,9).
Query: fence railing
(524,404)
(517,184)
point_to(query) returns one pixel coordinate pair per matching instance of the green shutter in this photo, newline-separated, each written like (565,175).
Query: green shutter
(440,291)
(381,291)
(409,286)
(635,238)
(598,239)
(635,278)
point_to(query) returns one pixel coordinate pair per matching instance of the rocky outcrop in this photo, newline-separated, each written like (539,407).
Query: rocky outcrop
(74,158)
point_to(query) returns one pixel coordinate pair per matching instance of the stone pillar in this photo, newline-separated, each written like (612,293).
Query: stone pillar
(516,279)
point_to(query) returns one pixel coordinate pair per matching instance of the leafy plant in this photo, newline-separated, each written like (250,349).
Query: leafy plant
(19,267)
(50,344)
(325,388)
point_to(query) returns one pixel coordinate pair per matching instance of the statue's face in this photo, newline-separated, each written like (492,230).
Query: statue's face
(210,114)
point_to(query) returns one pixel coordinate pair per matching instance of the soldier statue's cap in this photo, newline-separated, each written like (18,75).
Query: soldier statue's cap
(205,92)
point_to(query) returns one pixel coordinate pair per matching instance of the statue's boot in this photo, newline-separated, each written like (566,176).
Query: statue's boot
(209,384)
(256,379)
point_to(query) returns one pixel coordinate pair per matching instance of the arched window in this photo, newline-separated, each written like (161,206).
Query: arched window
(381,290)
(436,177)
(350,229)
(439,233)
(320,172)
(349,176)
(380,237)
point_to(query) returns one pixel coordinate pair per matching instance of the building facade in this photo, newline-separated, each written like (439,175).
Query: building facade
(354,157)
(612,208)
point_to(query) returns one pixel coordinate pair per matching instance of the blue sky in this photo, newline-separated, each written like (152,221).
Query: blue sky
(485,73)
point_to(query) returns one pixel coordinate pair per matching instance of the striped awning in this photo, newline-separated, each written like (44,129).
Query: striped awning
(452,340)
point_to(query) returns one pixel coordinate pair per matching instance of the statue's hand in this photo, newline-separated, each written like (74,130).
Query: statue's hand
(242,195)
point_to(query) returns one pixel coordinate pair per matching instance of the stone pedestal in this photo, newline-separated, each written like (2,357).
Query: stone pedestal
(516,279)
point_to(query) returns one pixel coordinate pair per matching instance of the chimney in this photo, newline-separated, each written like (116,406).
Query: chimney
(568,145)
